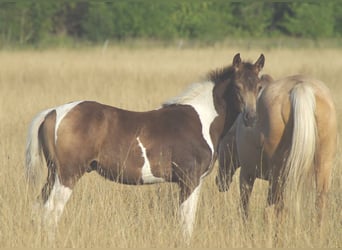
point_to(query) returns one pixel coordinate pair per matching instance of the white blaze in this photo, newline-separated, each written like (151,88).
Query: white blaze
(146,173)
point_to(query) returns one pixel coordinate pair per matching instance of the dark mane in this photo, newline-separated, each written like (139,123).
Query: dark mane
(223,74)
(220,75)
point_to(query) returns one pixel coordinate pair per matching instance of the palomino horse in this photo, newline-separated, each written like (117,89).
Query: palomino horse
(290,141)
(175,143)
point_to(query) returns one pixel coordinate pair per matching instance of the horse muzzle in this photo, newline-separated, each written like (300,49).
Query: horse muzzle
(249,118)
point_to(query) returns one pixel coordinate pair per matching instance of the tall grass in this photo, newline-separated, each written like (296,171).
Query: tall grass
(101,213)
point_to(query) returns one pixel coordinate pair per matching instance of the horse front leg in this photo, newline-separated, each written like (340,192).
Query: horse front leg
(276,186)
(188,207)
(323,174)
(228,160)
(246,187)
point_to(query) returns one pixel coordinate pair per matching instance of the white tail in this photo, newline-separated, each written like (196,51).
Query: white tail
(300,162)
(34,157)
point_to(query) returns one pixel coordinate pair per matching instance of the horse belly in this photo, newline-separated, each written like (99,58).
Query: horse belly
(120,173)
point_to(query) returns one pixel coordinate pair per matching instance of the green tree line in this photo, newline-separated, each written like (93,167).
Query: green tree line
(34,22)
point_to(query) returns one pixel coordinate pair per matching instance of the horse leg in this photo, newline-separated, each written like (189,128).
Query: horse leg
(54,205)
(274,207)
(246,187)
(275,193)
(228,160)
(54,196)
(46,190)
(188,206)
(323,167)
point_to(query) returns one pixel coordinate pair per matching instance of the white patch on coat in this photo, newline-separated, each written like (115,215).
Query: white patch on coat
(146,173)
(200,97)
(61,112)
(55,204)
(188,210)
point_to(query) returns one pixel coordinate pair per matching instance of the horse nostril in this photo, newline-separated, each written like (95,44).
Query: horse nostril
(249,118)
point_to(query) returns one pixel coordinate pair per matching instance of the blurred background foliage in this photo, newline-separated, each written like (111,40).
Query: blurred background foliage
(63,22)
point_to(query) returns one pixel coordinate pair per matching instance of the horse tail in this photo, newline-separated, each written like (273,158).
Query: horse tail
(299,165)
(33,153)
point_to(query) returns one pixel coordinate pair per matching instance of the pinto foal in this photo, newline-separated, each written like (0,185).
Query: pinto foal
(175,143)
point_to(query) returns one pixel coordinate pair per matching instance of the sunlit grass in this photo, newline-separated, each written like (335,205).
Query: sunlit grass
(101,213)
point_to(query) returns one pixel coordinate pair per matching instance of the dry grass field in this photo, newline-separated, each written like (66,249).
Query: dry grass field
(101,213)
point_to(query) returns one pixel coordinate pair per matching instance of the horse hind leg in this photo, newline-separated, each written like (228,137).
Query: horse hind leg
(46,190)
(323,168)
(324,161)
(54,194)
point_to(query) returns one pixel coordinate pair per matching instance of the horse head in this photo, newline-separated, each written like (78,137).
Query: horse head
(248,85)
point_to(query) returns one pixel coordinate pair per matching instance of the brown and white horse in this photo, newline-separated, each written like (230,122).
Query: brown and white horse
(175,143)
(291,142)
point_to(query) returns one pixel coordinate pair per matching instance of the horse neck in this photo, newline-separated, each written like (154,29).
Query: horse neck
(231,116)
(200,96)
(228,112)
(203,103)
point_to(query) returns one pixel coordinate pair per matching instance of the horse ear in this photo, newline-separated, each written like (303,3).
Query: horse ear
(259,64)
(236,61)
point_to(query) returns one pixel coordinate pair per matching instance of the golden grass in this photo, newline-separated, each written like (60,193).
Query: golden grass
(105,214)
